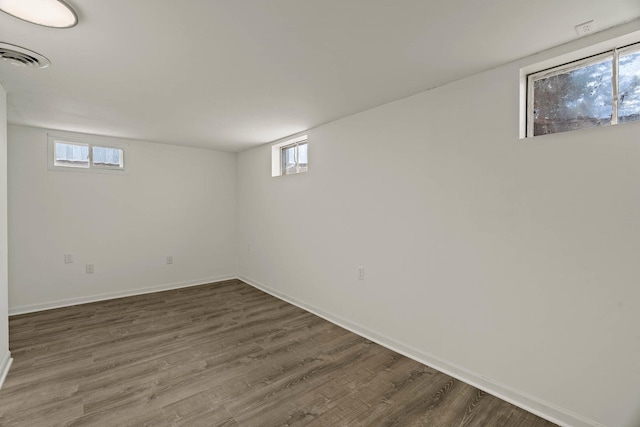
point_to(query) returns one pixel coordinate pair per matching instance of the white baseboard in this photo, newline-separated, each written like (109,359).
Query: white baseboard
(523,400)
(112,295)
(4,367)
(518,398)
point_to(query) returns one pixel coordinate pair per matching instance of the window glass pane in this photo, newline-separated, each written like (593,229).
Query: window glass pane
(71,155)
(574,99)
(293,158)
(302,157)
(629,87)
(108,157)
(289,160)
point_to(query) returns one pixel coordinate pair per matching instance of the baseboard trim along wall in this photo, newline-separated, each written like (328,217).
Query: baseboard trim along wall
(525,401)
(4,367)
(13,311)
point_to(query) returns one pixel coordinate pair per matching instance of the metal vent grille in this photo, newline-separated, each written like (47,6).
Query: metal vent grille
(22,57)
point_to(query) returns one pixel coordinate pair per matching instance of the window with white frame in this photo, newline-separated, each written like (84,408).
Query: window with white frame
(71,154)
(294,158)
(600,90)
(290,157)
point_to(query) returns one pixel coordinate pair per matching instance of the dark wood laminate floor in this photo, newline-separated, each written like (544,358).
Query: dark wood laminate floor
(223,354)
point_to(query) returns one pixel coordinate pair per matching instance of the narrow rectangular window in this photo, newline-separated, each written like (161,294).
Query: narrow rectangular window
(602,90)
(290,157)
(573,97)
(294,158)
(107,157)
(629,85)
(72,155)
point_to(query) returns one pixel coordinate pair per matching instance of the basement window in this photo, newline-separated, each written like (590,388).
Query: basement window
(601,90)
(72,155)
(289,157)
(294,158)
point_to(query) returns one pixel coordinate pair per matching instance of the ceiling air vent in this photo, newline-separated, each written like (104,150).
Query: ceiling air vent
(22,57)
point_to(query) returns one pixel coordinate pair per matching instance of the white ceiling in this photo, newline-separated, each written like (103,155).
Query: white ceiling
(231,74)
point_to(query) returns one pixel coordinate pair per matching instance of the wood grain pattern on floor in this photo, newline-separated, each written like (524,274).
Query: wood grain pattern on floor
(223,354)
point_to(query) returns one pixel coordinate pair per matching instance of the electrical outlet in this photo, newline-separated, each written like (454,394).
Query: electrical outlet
(360,273)
(89,269)
(169,260)
(584,28)
(68,258)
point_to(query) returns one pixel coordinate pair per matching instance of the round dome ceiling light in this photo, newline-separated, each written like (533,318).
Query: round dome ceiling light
(49,13)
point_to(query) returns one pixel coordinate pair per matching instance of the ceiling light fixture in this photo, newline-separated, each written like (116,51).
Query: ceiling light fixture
(49,13)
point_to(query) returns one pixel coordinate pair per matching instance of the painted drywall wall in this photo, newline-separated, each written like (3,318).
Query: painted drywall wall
(510,263)
(174,201)
(5,355)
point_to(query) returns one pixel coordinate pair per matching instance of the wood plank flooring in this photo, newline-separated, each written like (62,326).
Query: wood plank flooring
(223,354)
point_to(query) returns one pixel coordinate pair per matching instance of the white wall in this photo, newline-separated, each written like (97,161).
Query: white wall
(175,201)
(510,263)
(5,355)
